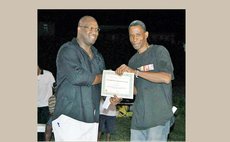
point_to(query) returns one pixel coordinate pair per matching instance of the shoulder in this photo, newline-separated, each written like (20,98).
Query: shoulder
(97,53)
(47,72)
(132,59)
(94,49)
(68,48)
(159,49)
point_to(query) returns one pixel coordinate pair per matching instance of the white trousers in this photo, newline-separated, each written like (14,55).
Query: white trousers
(68,129)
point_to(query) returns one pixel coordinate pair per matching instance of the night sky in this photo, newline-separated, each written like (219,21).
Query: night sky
(165,27)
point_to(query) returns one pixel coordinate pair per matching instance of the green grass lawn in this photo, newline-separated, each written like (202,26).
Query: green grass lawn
(177,133)
(178,129)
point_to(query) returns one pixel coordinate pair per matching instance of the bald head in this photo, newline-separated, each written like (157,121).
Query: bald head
(87,31)
(86,19)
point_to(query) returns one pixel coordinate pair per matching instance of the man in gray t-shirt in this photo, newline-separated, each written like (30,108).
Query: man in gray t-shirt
(152,66)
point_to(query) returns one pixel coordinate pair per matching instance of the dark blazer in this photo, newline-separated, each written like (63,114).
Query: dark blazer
(76,96)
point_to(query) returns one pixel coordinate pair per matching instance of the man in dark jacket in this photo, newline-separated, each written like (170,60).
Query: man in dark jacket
(79,72)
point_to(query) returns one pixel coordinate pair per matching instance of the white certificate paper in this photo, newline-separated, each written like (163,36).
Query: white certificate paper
(120,85)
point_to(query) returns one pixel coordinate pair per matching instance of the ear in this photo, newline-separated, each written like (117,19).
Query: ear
(146,34)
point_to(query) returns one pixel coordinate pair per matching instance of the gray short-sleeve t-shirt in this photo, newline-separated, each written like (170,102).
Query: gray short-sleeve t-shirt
(153,103)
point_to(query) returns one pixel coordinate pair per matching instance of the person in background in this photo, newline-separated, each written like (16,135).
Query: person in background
(79,75)
(45,83)
(153,69)
(51,103)
(107,120)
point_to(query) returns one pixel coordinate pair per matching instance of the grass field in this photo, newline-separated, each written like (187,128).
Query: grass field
(177,133)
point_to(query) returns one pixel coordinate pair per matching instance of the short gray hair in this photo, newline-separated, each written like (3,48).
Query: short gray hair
(137,23)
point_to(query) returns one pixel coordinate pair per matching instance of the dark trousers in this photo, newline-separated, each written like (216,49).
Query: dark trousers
(42,118)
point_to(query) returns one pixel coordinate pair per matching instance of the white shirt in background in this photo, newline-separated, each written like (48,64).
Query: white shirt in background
(111,111)
(45,83)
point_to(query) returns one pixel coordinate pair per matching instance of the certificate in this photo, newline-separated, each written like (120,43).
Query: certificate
(120,85)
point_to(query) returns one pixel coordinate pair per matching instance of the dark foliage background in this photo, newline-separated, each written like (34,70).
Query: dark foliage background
(166,27)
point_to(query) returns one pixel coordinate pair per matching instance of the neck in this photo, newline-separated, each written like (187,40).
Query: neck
(83,45)
(86,48)
(143,49)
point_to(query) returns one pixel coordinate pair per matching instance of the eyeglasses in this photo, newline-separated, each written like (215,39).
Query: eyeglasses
(91,28)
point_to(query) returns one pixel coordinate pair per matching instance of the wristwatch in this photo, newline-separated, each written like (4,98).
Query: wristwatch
(136,73)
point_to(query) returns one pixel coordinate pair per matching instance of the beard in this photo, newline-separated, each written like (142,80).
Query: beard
(88,40)
(92,39)
(136,46)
